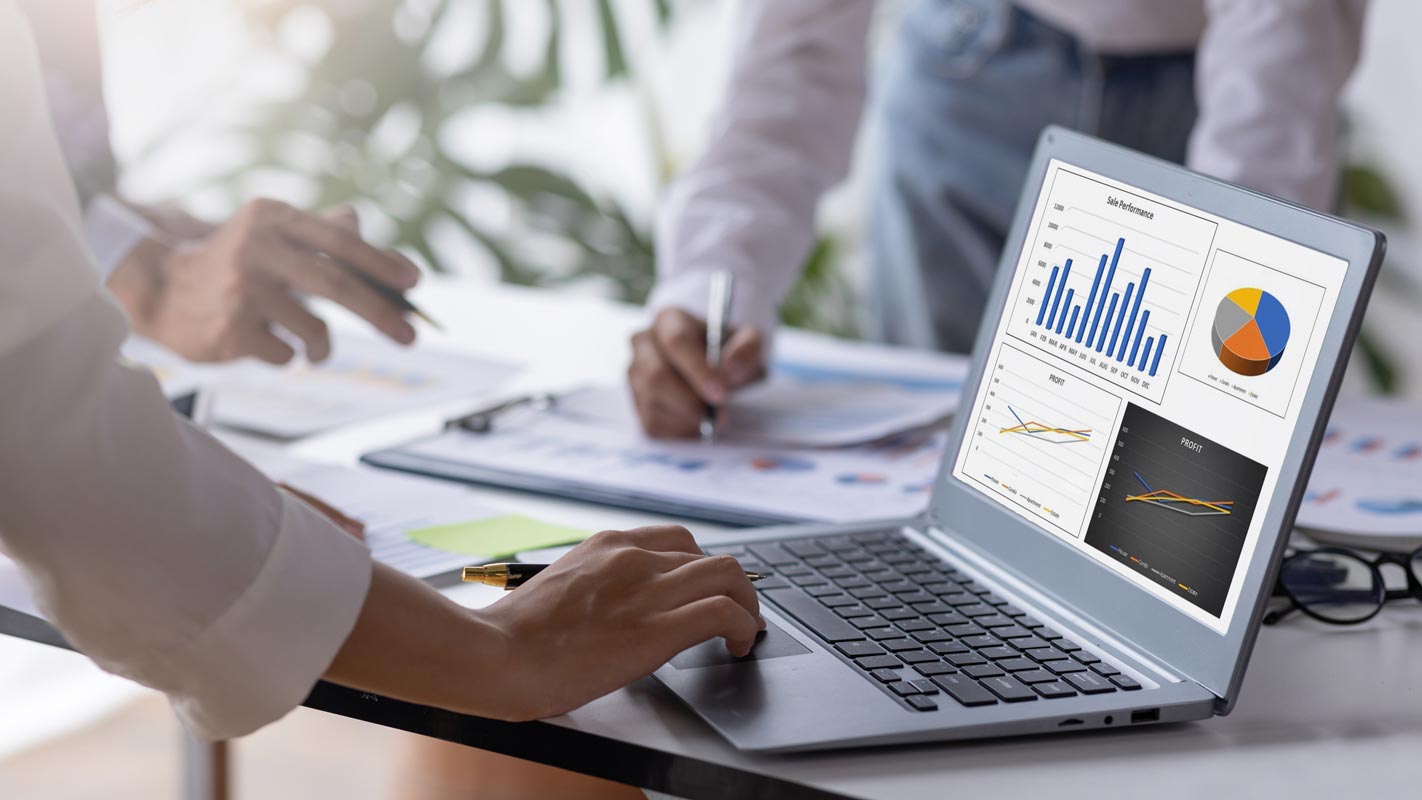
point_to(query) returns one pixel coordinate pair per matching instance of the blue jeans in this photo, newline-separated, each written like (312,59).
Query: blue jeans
(961,99)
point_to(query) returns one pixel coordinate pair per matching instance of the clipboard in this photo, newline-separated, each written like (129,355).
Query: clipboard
(543,451)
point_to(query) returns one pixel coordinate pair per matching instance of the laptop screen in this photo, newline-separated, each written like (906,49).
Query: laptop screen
(1144,382)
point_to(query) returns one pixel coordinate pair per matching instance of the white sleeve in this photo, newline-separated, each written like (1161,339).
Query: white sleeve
(783,136)
(1269,75)
(112,230)
(157,552)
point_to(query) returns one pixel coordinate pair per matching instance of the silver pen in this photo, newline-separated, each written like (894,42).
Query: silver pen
(718,308)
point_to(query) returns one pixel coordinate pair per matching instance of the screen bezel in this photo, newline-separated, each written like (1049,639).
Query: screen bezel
(1129,611)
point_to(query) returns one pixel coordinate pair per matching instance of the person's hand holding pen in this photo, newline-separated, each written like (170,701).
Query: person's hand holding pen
(217,296)
(672,383)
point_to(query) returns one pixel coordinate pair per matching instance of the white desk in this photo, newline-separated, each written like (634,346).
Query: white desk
(1325,713)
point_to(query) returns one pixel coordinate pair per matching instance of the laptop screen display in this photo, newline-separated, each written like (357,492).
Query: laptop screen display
(1144,382)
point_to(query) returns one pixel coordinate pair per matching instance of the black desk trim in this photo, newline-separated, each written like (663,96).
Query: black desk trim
(589,754)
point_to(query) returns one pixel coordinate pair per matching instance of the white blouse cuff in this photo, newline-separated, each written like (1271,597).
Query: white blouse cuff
(265,653)
(112,230)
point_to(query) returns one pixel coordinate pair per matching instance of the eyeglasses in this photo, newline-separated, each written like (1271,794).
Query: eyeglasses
(1341,587)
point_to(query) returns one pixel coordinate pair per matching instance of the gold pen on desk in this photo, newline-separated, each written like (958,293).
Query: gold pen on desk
(512,576)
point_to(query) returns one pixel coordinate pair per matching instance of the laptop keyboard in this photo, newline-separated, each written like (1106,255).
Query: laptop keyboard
(918,628)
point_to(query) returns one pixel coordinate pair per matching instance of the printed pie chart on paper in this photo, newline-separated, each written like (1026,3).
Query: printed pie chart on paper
(1251,331)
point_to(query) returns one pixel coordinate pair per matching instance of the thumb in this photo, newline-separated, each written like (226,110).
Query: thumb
(743,359)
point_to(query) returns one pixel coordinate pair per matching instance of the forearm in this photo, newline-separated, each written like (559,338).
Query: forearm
(155,550)
(413,644)
(783,135)
(1269,79)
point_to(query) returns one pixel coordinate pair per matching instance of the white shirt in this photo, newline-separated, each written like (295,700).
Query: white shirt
(157,552)
(1268,77)
(67,35)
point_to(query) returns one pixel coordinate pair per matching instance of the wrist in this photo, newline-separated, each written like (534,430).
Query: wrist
(138,281)
(500,690)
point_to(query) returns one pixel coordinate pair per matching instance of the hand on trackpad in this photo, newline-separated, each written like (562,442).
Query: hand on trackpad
(771,643)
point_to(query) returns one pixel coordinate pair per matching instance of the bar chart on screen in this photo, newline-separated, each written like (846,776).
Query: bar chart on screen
(1110,279)
(1042,437)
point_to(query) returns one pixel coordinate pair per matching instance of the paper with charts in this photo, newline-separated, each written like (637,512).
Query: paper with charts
(565,455)
(1367,483)
(770,465)
(809,404)
(364,379)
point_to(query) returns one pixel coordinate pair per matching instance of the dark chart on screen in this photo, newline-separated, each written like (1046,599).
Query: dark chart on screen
(1176,507)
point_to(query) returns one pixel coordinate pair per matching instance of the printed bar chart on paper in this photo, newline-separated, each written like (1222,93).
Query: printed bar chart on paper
(1041,437)
(1110,280)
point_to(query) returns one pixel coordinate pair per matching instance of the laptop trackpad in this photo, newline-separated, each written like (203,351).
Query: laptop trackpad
(772,643)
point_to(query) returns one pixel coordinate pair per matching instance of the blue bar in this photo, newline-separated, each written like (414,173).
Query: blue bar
(1120,318)
(1047,296)
(1109,313)
(1091,300)
(1057,302)
(1145,353)
(1135,311)
(1158,350)
(1061,321)
(1105,290)
(1071,326)
(1136,345)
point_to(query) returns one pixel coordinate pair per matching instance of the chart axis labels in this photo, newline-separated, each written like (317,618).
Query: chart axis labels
(1108,290)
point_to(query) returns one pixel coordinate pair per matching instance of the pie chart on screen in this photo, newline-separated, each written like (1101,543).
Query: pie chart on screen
(1251,331)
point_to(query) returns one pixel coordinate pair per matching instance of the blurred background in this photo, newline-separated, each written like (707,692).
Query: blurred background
(524,141)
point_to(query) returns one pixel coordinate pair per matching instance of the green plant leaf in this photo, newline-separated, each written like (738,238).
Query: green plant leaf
(1379,363)
(1365,189)
(615,58)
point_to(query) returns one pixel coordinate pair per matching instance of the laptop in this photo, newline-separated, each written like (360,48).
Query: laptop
(1149,389)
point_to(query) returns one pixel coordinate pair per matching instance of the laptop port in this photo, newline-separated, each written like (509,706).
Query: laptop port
(1067,723)
(1145,715)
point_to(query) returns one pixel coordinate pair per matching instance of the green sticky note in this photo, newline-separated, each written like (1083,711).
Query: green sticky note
(496,536)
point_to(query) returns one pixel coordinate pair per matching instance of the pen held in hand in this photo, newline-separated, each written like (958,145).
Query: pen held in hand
(512,576)
(391,295)
(718,308)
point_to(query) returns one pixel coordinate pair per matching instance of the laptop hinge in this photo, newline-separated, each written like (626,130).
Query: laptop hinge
(1069,616)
